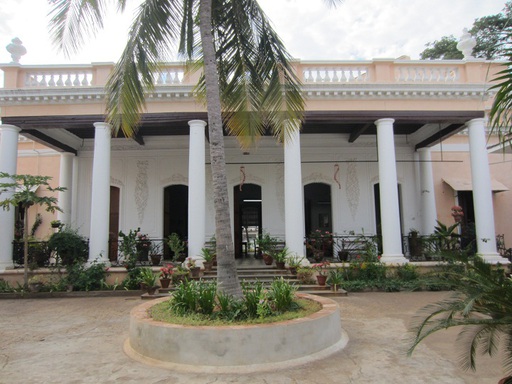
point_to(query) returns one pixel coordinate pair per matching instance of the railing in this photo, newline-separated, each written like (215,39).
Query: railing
(345,248)
(310,72)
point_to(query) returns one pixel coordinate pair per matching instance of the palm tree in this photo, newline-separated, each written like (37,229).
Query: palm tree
(481,305)
(246,73)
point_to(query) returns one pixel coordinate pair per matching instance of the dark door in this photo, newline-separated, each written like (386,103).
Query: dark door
(175,213)
(247,219)
(113,228)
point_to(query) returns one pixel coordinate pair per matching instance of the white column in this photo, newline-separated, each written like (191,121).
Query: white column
(428,198)
(8,159)
(66,181)
(293,194)
(100,200)
(388,186)
(482,194)
(196,188)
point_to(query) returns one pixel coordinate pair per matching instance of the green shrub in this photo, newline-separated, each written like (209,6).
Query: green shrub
(134,278)
(252,293)
(83,278)
(407,272)
(70,247)
(281,293)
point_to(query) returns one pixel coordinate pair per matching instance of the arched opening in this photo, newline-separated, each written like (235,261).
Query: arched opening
(113,226)
(317,210)
(247,218)
(175,213)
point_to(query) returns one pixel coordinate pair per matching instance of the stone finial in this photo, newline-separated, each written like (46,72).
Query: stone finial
(16,49)
(466,44)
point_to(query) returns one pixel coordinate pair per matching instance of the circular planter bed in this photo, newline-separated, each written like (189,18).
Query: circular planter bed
(236,348)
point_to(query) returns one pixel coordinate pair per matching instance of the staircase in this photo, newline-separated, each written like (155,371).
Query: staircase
(266,274)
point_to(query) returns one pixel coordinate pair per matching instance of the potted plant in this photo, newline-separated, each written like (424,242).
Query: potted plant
(208,256)
(155,253)
(294,261)
(305,275)
(192,267)
(321,270)
(267,245)
(55,223)
(143,246)
(35,283)
(177,246)
(166,273)
(280,258)
(179,275)
(335,279)
(318,243)
(148,280)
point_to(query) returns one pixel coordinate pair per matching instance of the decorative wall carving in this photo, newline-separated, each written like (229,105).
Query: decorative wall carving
(141,188)
(352,189)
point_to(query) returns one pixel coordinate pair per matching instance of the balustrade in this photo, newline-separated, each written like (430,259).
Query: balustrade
(310,73)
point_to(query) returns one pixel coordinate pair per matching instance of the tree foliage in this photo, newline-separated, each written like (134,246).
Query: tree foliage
(490,35)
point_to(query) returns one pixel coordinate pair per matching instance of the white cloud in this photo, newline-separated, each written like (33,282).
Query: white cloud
(357,29)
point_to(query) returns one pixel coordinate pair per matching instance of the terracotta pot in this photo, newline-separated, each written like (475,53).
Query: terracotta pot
(208,265)
(165,283)
(321,279)
(155,259)
(268,260)
(194,272)
(280,264)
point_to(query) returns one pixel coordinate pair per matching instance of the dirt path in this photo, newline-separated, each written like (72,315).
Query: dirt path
(80,341)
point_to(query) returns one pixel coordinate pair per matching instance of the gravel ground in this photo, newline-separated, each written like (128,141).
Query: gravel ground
(80,340)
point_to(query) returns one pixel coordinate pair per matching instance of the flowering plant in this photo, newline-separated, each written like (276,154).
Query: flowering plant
(321,268)
(191,263)
(166,272)
(318,239)
(143,241)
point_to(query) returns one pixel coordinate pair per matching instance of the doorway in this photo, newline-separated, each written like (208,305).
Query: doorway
(175,214)
(247,219)
(113,226)
(378,217)
(317,210)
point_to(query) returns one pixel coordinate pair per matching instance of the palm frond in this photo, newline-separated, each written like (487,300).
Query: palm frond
(152,36)
(481,307)
(501,110)
(72,21)
(259,88)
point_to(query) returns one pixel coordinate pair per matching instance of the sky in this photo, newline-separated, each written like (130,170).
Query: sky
(355,30)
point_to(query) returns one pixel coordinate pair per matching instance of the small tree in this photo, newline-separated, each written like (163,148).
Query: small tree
(21,193)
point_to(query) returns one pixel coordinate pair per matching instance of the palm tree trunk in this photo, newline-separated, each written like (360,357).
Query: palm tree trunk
(227,277)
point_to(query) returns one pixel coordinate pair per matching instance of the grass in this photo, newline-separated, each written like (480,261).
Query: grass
(161,312)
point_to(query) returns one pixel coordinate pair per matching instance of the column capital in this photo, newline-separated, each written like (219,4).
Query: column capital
(201,123)
(478,121)
(386,120)
(102,124)
(9,127)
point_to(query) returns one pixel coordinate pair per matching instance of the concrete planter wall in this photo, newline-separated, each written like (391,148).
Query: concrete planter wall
(236,348)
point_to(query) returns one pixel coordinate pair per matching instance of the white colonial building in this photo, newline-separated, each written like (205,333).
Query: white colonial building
(360,164)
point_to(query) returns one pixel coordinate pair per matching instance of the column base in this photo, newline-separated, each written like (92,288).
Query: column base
(393,259)
(493,258)
(4,266)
